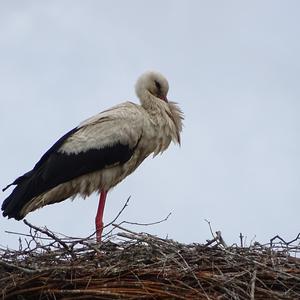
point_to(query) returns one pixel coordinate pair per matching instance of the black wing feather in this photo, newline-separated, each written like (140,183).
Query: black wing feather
(52,150)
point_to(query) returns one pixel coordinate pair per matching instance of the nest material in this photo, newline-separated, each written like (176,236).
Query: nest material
(133,265)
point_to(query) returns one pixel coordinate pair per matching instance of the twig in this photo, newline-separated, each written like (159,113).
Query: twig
(253,279)
(281,239)
(241,240)
(12,266)
(119,213)
(211,231)
(147,224)
(51,235)
(220,238)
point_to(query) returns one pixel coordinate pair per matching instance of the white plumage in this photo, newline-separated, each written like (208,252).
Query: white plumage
(101,151)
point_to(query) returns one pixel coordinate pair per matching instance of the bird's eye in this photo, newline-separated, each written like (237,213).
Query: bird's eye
(157,84)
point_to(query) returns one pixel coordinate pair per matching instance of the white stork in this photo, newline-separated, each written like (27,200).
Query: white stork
(100,152)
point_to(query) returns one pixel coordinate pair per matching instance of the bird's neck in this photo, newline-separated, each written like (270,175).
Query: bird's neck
(152,104)
(166,116)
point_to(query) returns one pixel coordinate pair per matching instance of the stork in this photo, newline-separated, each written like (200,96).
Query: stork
(100,152)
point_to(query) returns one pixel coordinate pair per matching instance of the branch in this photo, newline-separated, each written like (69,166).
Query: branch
(53,236)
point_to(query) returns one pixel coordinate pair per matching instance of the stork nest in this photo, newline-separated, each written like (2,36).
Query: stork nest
(130,265)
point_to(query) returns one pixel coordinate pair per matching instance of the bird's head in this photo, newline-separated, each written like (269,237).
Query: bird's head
(152,83)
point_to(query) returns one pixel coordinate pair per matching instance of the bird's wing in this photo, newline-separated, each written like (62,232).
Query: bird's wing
(107,139)
(121,124)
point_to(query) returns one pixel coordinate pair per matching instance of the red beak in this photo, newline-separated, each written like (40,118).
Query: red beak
(164,98)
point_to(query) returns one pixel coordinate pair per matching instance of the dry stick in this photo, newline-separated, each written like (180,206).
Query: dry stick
(119,213)
(211,231)
(115,219)
(253,279)
(80,241)
(140,236)
(216,238)
(265,266)
(135,223)
(209,242)
(220,238)
(25,234)
(241,239)
(194,275)
(280,238)
(53,236)
(12,266)
(147,224)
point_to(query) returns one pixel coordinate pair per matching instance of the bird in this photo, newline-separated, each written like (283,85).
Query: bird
(100,152)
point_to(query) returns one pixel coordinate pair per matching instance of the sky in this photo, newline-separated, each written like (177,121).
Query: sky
(233,67)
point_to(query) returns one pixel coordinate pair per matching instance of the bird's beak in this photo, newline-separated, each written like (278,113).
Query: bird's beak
(164,98)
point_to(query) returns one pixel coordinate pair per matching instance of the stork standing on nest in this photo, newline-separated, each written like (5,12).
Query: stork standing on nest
(100,152)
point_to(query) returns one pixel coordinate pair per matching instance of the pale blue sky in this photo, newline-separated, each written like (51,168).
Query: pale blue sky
(232,66)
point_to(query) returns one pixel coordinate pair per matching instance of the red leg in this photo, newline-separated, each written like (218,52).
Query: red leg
(99,216)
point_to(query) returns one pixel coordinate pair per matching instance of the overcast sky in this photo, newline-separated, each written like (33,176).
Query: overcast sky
(234,68)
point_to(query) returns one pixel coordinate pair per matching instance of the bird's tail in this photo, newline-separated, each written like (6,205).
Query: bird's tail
(13,204)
